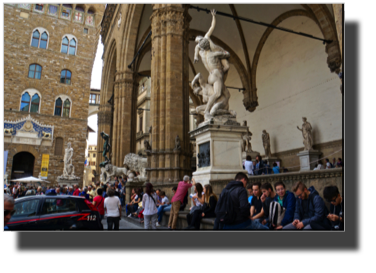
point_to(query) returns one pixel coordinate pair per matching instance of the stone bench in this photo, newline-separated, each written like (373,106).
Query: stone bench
(206,223)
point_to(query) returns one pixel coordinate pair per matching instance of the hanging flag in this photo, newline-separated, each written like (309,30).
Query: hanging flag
(86,162)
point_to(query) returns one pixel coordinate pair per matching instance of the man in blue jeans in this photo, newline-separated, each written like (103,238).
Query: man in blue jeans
(239,198)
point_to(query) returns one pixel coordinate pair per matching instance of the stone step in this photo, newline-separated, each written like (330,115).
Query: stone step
(206,223)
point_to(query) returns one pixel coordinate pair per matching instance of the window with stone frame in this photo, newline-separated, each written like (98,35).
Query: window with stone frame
(94,155)
(34,107)
(58,107)
(72,47)
(35,39)
(66,108)
(35,71)
(30,105)
(92,98)
(38,7)
(38,40)
(59,146)
(65,76)
(25,102)
(65,45)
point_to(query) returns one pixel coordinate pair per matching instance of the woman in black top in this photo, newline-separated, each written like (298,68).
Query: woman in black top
(207,211)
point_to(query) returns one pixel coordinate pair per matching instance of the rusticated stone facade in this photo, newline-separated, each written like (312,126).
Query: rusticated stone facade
(20,21)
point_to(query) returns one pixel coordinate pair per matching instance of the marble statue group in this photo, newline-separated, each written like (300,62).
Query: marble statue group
(213,91)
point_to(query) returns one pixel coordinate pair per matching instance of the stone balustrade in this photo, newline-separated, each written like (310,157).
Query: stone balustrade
(319,179)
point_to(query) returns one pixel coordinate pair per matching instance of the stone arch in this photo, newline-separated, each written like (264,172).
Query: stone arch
(327,25)
(129,36)
(234,60)
(95,112)
(25,148)
(266,35)
(109,69)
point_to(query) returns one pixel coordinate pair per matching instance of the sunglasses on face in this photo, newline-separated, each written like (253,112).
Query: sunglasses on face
(11,212)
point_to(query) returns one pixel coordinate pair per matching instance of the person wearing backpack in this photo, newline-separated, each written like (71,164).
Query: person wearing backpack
(287,200)
(310,207)
(232,209)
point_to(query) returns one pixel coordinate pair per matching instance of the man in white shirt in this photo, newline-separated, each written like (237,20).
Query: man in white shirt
(248,165)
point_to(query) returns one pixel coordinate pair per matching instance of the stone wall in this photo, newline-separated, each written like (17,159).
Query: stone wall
(19,55)
(319,179)
(293,81)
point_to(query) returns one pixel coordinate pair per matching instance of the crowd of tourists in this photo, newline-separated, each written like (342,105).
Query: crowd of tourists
(261,167)
(240,205)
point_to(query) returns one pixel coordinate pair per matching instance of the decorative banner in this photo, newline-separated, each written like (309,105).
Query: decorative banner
(44,167)
(5,160)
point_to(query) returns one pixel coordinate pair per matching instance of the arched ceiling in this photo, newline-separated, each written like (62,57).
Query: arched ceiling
(229,33)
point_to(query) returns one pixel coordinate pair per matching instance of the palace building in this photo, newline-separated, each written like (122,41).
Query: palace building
(49,51)
(276,77)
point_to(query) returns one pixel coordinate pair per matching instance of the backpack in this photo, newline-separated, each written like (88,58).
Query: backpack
(276,214)
(225,210)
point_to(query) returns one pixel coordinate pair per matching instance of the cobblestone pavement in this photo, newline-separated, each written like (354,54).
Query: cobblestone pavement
(123,224)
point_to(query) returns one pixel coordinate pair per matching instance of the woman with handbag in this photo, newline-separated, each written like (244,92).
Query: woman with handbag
(149,203)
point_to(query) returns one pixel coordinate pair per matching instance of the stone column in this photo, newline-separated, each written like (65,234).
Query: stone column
(114,132)
(169,90)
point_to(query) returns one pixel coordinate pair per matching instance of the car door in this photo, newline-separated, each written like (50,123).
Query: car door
(58,213)
(26,215)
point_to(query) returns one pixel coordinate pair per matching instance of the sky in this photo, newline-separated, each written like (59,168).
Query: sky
(96,77)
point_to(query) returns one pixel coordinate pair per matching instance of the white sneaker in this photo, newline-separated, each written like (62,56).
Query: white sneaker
(130,215)
(158,225)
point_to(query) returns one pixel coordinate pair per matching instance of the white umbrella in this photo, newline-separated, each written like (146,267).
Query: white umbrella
(30,179)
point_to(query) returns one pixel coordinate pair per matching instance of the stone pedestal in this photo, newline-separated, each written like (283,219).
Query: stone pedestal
(219,155)
(68,182)
(308,159)
(253,155)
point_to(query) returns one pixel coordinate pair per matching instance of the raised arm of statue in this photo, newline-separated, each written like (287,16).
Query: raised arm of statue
(299,128)
(211,29)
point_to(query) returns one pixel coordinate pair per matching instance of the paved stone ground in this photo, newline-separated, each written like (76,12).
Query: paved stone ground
(123,224)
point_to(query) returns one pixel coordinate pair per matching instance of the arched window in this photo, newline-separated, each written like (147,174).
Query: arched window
(59,146)
(65,76)
(39,40)
(69,45)
(25,102)
(91,11)
(66,108)
(34,104)
(35,39)
(72,47)
(35,71)
(63,105)
(64,47)
(43,40)
(28,105)
(58,107)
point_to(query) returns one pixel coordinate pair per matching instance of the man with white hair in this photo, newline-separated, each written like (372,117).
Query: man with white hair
(8,209)
(178,199)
